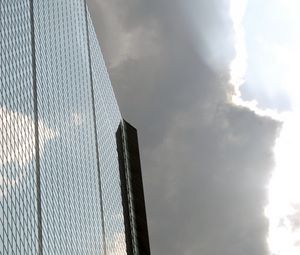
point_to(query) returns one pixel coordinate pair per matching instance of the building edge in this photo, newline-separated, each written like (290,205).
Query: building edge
(134,209)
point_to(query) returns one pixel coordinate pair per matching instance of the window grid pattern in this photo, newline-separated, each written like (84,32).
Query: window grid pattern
(70,195)
(108,119)
(18,210)
(71,211)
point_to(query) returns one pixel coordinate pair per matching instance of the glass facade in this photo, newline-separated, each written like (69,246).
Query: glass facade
(134,209)
(60,189)
(18,201)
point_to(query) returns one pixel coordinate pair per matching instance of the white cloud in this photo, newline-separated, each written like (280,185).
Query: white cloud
(17,139)
(284,193)
(238,66)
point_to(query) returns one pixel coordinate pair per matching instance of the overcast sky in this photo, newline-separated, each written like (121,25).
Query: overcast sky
(206,161)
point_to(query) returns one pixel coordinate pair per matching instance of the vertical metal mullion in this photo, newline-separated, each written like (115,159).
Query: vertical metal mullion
(95,128)
(36,132)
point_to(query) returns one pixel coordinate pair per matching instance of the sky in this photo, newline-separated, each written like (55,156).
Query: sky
(212,88)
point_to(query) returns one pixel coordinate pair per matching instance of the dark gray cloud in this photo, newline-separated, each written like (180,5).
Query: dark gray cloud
(205,162)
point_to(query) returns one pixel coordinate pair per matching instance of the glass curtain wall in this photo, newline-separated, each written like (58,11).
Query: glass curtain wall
(81,206)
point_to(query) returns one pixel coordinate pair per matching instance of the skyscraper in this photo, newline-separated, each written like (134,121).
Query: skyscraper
(70,178)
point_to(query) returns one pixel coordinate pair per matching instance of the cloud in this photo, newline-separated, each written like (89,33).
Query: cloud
(18,145)
(282,54)
(205,161)
(238,66)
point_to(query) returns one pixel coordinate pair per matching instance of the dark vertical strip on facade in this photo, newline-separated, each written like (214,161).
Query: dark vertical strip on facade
(137,237)
(36,132)
(95,127)
(124,190)
(137,190)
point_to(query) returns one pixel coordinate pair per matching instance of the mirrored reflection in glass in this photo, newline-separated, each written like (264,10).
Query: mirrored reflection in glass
(108,119)
(70,193)
(18,218)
